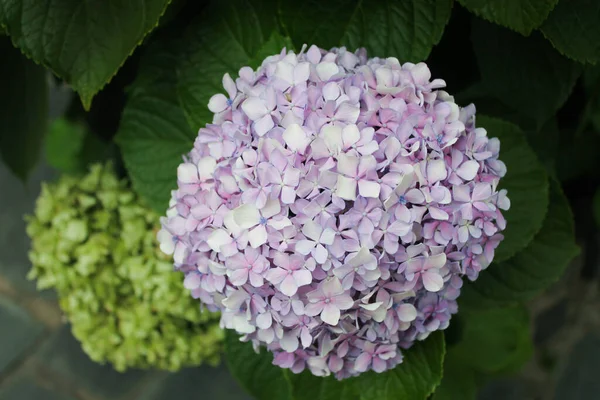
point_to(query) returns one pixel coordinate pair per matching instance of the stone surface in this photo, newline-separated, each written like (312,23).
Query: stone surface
(16,200)
(579,380)
(63,354)
(502,389)
(204,383)
(18,333)
(28,389)
(550,321)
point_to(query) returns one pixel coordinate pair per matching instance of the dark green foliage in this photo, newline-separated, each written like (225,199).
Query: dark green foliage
(23,110)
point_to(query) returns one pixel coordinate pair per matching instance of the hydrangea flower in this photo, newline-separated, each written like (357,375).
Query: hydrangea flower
(366,192)
(95,243)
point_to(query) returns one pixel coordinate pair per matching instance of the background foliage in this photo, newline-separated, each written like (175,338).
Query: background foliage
(145,69)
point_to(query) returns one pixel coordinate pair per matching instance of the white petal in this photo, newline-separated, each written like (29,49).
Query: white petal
(332,135)
(216,268)
(272,207)
(327,179)
(303,277)
(279,223)
(165,239)
(468,170)
(312,230)
(231,225)
(363,257)
(327,69)
(218,238)
(187,173)
(254,108)
(180,253)
(288,286)
(432,281)
(257,236)
(438,214)
(246,216)
(330,314)
(263,125)
(328,236)
(301,72)
(206,167)
(347,112)
(436,261)
(289,342)
(217,103)
(436,171)
(264,320)
(290,118)
(304,246)
(351,135)
(320,254)
(368,188)
(407,312)
(284,71)
(331,91)
(295,138)
(347,165)
(345,188)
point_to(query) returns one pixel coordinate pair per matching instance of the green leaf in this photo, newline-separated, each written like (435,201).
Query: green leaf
(526,182)
(494,340)
(417,376)
(596,207)
(533,269)
(83,42)
(71,147)
(573,29)
(458,381)
(306,386)
(153,133)
(526,74)
(256,372)
(414,379)
(407,30)
(226,37)
(23,110)
(591,112)
(522,16)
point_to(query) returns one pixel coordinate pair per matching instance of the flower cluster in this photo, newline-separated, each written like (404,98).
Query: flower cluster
(333,206)
(95,244)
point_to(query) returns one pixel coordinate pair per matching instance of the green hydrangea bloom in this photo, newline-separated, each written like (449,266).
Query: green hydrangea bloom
(95,243)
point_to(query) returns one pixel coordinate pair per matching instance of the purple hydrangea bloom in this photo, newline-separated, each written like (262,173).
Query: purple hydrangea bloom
(333,208)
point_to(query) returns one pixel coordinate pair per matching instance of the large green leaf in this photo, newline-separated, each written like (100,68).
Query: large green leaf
(387,28)
(415,379)
(226,37)
(458,381)
(71,147)
(306,386)
(522,16)
(526,182)
(525,73)
(256,372)
(23,110)
(154,133)
(534,268)
(574,30)
(83,42)
(495,341)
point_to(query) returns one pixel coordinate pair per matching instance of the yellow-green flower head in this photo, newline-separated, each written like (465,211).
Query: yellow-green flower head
(94,242)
